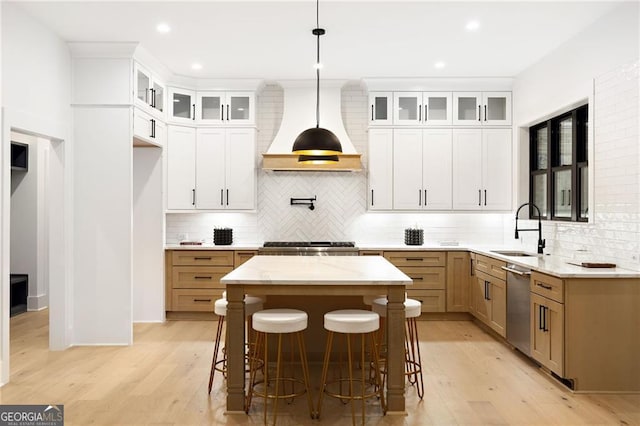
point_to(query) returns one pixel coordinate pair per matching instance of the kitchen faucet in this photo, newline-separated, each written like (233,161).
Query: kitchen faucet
(541,242)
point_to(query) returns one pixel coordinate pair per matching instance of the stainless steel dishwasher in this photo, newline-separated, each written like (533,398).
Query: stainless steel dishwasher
(518,308)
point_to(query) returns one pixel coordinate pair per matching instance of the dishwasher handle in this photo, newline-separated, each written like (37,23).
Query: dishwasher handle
(515,271)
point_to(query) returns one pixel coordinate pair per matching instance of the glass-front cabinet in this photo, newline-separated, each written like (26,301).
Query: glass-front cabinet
(422,108)
(481,108)
(182,105)
(380,108)
(149,90)
(225,107)
(437,108)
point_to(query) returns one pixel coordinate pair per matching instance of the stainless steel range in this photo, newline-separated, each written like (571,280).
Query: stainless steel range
(309,248)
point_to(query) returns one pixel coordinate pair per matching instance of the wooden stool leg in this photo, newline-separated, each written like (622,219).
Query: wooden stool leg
(325,368)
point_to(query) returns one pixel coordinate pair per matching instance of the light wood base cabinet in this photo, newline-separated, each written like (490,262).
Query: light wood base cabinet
(547,333)
(489,294)
(458,281)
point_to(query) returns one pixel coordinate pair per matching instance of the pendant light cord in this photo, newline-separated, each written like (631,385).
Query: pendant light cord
(318,65)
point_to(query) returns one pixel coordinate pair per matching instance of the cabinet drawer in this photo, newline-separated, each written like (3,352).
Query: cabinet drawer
(416,258)
(242,256)
(194,300)
(547,286)
(199,276)
(203,257)
(371,252)
(491,266)
(425,278)
(432,300)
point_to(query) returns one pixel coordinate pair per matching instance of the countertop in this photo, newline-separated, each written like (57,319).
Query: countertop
(548,264)
(319,270)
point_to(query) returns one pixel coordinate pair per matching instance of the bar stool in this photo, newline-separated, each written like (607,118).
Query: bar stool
(349,322)
(251,306)
(413,361)
(279,322)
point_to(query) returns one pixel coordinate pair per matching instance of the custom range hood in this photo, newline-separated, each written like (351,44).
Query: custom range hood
(299,115)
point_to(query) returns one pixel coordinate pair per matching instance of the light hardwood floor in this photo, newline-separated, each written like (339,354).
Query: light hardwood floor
(470,379)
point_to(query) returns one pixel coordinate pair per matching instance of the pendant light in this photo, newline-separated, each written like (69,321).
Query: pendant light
(317,145)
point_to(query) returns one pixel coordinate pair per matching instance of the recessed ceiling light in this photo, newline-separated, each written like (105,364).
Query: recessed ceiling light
(439,64)
(196,66)
(163,28)
(472,25)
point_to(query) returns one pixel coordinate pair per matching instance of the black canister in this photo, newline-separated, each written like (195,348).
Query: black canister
(222,236)
(413,237)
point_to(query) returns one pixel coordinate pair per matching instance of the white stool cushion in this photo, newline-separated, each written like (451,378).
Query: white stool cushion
(280,320)
(412,307)
(351,321)
(368,300)
(251,306)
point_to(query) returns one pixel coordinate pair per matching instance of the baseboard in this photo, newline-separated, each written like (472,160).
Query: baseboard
(37,303)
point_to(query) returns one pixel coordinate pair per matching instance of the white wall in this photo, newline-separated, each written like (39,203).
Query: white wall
(148,235)
(599,64)
(103,226)
(36,75)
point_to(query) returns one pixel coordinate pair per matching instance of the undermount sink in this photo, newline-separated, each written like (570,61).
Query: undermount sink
(513,253)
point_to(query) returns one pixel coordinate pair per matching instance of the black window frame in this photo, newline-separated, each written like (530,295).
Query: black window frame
(579,160)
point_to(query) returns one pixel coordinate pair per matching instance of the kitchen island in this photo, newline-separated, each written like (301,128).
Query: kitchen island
(316,276)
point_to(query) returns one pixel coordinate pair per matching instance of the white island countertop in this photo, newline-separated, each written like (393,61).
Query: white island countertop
(319,270)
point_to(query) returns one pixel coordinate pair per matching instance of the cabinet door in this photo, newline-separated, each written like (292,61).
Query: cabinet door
(496,108)
(436,169)
(181,157)
(210,163)
(160,133)
(407,169)
(381,106)
(182,105)
(380,194)
(466,108)
(498,312)
(437,108)
(496,169)
(458,280)
(239,108)
(240,178)
(481,307)
(142,81)
(142,126)
(158,96)
(467,170)
(407,108)
(209,107)
(554,316)
(539,338)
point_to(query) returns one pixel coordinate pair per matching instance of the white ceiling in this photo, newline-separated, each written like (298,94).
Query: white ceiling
(273,40)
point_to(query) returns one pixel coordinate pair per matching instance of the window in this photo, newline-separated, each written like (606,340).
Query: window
(559,173)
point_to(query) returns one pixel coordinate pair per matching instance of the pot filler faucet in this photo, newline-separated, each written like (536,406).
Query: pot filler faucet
(541,242)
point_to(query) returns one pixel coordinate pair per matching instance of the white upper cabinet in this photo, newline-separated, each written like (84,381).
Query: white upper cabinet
(482,169)
(407,108)
(150,92)
(422,169)
(147,130)
(497,108)
(422,108)
(211,168)
(380,195)
(380,108)
(182,107)
(481,108)
(181,173)
(436,108)
(214,108)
